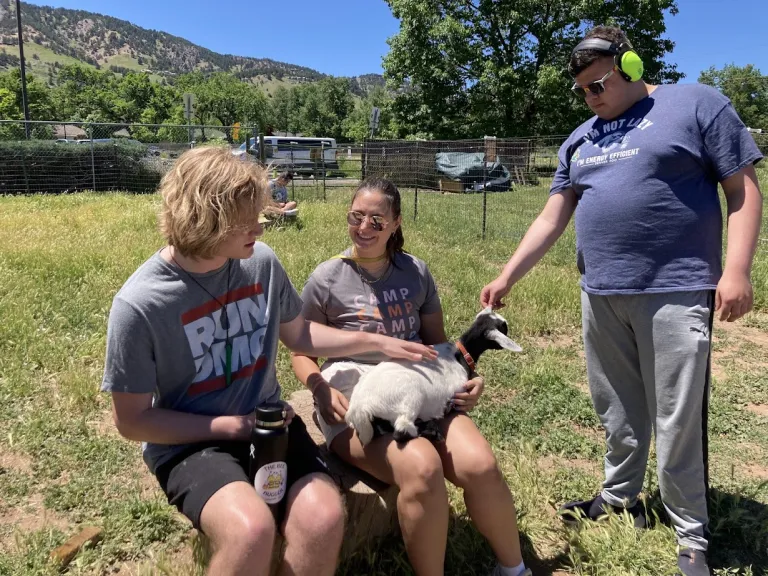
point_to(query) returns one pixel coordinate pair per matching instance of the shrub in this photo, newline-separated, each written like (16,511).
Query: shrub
(47,167)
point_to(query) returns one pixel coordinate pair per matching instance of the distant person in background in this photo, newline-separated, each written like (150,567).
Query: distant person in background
(280,192)
(641,177)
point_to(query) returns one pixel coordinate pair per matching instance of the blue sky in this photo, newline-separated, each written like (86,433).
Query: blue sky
(348,37)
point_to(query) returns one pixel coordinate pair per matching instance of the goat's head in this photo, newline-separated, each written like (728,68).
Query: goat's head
(488,332)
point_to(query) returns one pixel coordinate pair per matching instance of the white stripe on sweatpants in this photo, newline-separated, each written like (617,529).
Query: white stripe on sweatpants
(648,358)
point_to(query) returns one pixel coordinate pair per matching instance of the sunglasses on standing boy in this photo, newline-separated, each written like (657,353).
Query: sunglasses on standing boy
(378,223)
(596,87)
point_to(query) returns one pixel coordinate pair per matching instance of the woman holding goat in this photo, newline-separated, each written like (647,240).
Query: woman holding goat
(377,287)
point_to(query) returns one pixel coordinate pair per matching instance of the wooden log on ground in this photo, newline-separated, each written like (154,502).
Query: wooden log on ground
(65,553)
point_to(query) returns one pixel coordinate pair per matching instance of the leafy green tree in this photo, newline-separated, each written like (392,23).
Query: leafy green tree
(133,93)
(41,104)
(482,67)
(223,98)
(747,89)
(320,108)
(285,109)
(87,95)
(356,125)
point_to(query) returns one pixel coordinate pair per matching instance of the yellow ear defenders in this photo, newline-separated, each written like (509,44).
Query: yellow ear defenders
(627,61)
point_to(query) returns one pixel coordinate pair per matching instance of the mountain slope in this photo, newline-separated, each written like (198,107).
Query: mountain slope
(64,35)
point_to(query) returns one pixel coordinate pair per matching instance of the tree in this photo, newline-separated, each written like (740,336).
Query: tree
(746,88)
(356,125)
(224,98)
(325,105)
(498,67)
(284,109)
(134,91)
(85,94)
(41,106)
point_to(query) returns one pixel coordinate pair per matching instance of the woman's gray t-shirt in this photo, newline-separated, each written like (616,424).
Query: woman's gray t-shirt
(337,295)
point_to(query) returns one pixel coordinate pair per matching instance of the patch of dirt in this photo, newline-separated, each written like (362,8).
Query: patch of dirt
(739,330)
(749,452)
(597,434)
(500,395)
(105,425)
(718,371)
(729,338)
(759,409)
(551,463)
(179,562)
(30,517)
(149,485)
(15,461)
(554,341)
(756,471)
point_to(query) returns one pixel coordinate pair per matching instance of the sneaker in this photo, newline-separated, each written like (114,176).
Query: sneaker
(497,571)
(692,562)
(595,508)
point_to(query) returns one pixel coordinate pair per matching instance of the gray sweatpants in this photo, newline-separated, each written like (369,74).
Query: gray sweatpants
(648,367)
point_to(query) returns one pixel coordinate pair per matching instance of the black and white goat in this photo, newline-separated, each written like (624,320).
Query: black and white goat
(403,392)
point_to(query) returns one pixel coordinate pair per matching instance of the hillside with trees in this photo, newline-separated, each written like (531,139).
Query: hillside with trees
(63,35)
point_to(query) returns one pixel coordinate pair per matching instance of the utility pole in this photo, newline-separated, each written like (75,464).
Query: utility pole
(23,71)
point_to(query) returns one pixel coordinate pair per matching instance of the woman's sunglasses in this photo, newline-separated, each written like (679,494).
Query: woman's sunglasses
(596,87)
(355,218)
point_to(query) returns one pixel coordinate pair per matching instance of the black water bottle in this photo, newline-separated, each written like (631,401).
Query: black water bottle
(268,469)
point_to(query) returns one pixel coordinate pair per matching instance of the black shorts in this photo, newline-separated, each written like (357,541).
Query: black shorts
(191,477)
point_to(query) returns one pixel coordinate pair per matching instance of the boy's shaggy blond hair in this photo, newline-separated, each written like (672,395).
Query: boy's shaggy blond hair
(207,194)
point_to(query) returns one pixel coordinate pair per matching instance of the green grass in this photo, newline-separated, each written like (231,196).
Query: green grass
(63,258)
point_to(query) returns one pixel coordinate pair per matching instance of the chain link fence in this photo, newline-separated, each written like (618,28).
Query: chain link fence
(483,187)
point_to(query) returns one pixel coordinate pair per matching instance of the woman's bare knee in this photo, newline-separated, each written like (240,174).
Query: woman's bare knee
(417,468)
(468,459)
(477,469)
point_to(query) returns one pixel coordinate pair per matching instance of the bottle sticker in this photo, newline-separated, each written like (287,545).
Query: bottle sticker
(270,482)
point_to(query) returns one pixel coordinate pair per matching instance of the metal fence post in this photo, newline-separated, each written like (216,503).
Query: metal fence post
(293,184)
(485,192)
(322,156)
(93,160)
(416,194)
(363,158)
(25,151)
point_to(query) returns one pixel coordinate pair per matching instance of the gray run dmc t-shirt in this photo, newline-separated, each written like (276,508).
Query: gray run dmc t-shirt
(165,337)
(336,295)
(648,216)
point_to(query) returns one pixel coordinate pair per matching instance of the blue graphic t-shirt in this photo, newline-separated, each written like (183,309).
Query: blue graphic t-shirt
(648,216)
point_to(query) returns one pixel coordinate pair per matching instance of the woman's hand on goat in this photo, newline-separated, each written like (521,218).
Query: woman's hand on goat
(396,348)
(331,403)
(467,400)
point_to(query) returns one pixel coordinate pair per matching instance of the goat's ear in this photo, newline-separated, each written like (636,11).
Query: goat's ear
(485,311)
(503,341)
